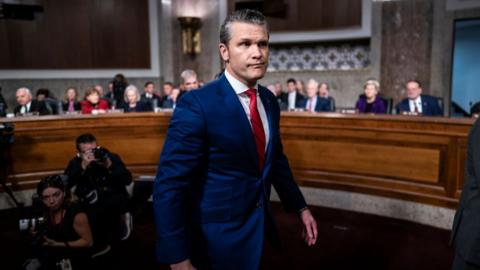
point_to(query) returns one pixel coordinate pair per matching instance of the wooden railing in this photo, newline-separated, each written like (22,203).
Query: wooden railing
(411,158)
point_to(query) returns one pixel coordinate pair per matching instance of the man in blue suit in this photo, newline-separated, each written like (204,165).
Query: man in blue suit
(418,103)
(314,102)
(221,155)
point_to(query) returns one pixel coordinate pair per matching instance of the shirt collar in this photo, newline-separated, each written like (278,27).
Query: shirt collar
(237,85)
(418,100)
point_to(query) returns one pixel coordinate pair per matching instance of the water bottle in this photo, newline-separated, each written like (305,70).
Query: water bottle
(60,107)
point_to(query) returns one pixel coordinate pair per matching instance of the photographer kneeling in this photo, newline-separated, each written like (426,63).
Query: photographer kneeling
(102,183)
(63,240)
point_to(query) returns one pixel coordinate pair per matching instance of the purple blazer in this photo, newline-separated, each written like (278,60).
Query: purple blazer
(378,106)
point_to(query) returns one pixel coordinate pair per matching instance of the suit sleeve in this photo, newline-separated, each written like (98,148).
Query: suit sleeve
(182,151)
(282,177)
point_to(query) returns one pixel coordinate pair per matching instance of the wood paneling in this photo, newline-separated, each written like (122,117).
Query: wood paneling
(307,15)
(78,34)
(411,158)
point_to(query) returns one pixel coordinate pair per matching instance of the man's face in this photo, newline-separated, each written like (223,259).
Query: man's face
(86,152)
(413,90)
(246,54)
(167,89)
(150,88)
(190,83)
(312,90)
(292,87)
(23,98)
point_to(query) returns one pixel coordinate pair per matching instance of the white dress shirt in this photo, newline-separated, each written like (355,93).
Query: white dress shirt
(311,103)
(417,101)
(25,108)
(240,89)
(291,99)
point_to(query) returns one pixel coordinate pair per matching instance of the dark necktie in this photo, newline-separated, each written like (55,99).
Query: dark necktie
(257,127)
(415,107)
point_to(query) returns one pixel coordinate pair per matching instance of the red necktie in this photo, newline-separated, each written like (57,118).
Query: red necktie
(257,127)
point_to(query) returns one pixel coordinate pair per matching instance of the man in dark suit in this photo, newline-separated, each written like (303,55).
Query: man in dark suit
(27,105)
(418,103)
(167,100)
(465,231)
(294,99)
(150,98)
(221,155)
(313,102)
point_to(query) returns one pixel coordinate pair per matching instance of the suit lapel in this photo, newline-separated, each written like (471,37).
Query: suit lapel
(268,110)
(233,104)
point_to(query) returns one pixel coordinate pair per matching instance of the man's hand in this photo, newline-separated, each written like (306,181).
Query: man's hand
(87,158)
(310,232)
(183,265)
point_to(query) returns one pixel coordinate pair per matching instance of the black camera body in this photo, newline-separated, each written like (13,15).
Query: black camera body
(6,133)
(100,153)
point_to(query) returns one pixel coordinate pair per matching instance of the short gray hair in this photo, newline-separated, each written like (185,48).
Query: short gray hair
(24,89)
(243,15)
(133,88)
(188,73)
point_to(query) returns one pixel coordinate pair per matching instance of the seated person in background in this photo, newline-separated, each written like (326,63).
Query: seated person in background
(92,101)
(175,96)
(103,185)
(45,96)
(370,102)
(65,233)
(166,100)
(418,103)
(3,105)
(132,100)
(294,99)
(70,100)
(324,91)
(119,84)
(27,105)
(301,87)
(150,98)
(278,96)
(313,102)
(189,80)
(109,95)
(99,89)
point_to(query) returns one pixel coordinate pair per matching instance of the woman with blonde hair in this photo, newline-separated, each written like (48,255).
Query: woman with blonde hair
(70,100)
(370,102)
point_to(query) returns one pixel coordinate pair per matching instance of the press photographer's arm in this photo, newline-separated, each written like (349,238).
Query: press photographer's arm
(82,228)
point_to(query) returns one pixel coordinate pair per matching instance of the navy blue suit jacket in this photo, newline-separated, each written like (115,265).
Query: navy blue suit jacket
(430,106)
(323,104)
(211,200)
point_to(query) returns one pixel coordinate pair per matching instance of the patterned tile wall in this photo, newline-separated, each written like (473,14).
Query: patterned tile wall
(319,57)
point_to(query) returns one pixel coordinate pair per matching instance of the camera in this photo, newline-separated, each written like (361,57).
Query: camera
(6,133)
(100,153)
(30,224)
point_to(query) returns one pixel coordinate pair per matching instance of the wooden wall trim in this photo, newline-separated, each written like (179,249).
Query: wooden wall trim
(417,159)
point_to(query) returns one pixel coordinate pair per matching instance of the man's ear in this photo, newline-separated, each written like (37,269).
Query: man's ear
(224,52)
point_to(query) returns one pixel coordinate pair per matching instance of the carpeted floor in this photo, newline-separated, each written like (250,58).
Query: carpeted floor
(347,240)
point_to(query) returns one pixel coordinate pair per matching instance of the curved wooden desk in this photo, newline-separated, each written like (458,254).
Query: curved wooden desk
(412,158)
